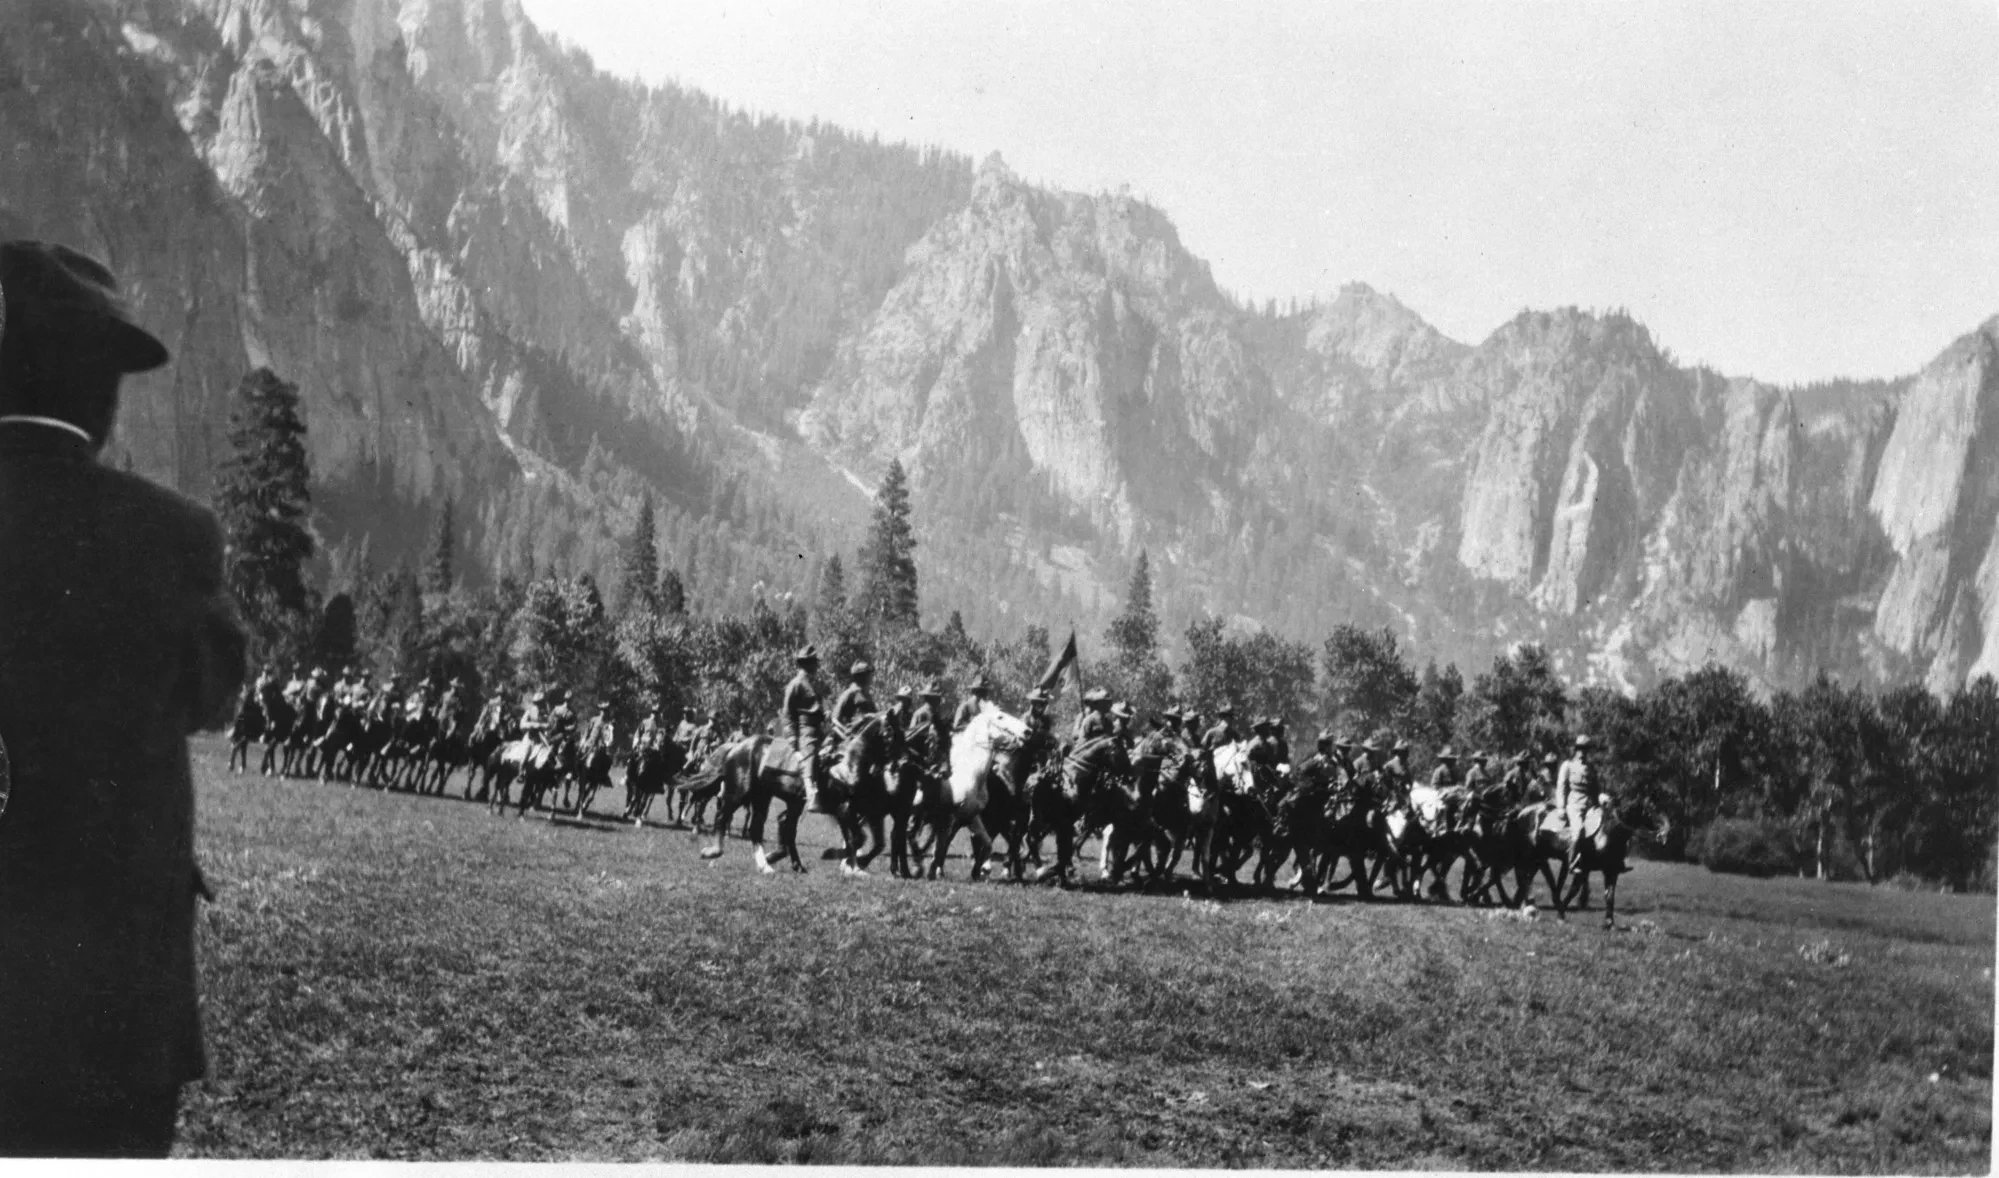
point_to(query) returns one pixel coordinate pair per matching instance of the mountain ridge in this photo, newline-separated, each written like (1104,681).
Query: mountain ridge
(505,279)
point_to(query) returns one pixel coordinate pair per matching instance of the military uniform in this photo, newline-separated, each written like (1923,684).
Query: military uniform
(1445,775)
(804,719)
(970,706)
(1095,722)
(854,703)
(649,734)
(1576,787)
(1395,772)
(561,722)
(927,737)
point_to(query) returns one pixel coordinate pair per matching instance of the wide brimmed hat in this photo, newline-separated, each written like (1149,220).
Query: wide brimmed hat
(932,690)
(1122,710)
(1096,695)
(1447,754)
(864,667)
(902,692)
(978,684)
(1226,710)
(1583,742)
(54,289)
(806,654)
(1037,696)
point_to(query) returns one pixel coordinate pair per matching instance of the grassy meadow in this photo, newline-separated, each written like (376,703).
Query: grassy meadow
(398,977)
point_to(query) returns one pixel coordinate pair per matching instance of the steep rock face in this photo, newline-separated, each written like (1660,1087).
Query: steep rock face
(1587,429)
(1072,333)
(1761,547)
(80,118)
(501,276)
(1936,497)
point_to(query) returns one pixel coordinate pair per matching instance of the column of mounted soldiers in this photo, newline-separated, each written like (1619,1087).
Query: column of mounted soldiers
(1154,787)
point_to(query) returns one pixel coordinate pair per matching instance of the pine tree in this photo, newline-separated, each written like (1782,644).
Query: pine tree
(334,644)
(262,497)
(888,563)
(1134,634)
(672,593)
(639,592)
(832,585)
(438,573)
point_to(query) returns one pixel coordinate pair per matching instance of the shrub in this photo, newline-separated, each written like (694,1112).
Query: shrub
(1745,846)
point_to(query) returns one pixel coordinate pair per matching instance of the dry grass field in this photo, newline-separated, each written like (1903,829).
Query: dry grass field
(399,977)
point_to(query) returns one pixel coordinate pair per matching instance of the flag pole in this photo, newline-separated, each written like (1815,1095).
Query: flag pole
(1079,668)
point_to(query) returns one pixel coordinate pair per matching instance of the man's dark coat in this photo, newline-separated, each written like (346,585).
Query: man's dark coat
(117,640)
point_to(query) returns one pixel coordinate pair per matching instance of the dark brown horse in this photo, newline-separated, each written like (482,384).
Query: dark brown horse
(753,772)
(1567,855)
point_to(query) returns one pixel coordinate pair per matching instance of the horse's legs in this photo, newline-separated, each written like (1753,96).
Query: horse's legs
(753,829)
(898,842)
(787,832)
(947,829)
(878,842)
(1556,885)
(1609,899)
(982,845)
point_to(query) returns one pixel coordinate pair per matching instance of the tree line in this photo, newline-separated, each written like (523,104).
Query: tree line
(1833,779)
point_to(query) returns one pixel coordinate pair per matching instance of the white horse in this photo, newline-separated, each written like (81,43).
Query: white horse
(976,755)
(1208,809)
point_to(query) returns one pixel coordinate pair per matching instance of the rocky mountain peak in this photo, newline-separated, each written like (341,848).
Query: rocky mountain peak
(1375,331)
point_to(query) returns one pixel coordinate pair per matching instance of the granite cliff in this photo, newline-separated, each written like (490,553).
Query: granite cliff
(504,279)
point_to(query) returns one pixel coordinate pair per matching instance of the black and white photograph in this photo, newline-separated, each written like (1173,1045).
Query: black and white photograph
(1152,584)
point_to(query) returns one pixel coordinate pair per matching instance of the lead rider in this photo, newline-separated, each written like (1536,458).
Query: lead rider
(804,719)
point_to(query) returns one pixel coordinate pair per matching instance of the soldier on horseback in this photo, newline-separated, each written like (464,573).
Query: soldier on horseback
(856,703)
(896,719)
(560,725)
(1094,722)
(1263,751)
(650,733)
(1121,721)
(927,736)
(416,705)
(599,732)
(533,720)
(803,719)
(1395,770)
(1576,793)
(1445,775)
(974,703)
(1224,731)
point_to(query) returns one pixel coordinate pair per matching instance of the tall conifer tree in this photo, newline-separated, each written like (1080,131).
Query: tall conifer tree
(1134,634)
(672,593)
(262,498)
(832,585)
(639,592)
(888,563)
(438,570)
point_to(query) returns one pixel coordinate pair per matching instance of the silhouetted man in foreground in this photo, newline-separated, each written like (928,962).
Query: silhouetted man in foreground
(117,639)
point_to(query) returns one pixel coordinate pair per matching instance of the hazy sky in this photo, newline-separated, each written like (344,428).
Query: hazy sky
(1786,191)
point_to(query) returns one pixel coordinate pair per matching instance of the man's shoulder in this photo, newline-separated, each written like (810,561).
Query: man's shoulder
(158,503)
